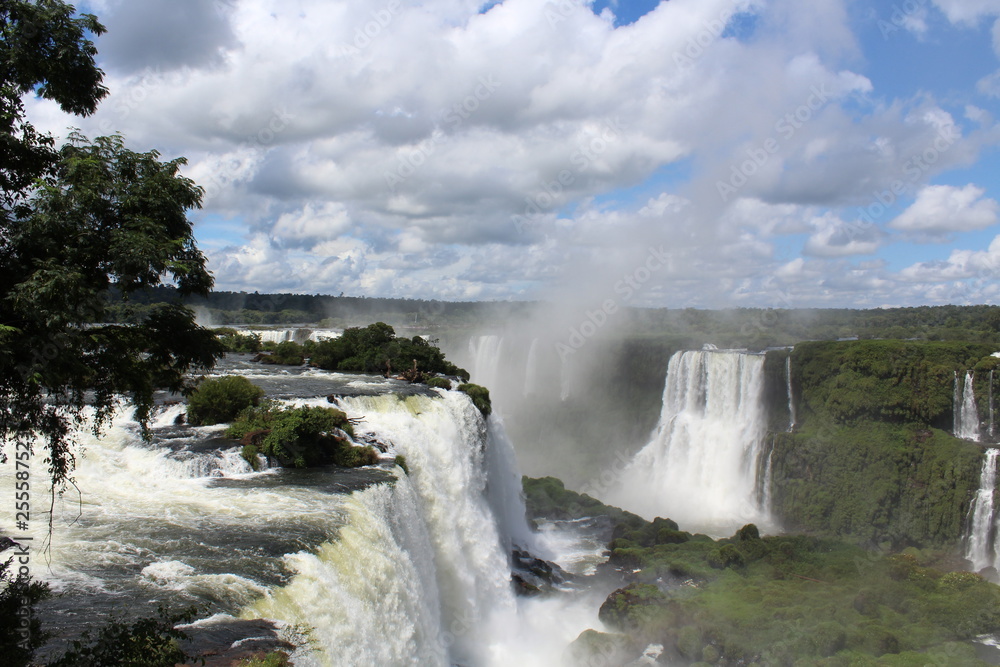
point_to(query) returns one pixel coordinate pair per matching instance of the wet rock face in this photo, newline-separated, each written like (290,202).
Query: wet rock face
(532,576)
(221,643)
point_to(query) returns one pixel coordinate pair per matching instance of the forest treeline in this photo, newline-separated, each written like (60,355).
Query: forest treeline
(742,327)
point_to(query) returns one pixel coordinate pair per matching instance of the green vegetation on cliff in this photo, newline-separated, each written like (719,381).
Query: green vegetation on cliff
(548,498)
(875,482)
(757,328)
(870,458)
(286,353)
(240,343)
(881,380)
(480,397)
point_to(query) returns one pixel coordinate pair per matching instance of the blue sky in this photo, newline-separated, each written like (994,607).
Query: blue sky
(525,150)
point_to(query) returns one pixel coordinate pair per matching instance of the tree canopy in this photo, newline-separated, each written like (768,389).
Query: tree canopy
(377,349)
(76,222)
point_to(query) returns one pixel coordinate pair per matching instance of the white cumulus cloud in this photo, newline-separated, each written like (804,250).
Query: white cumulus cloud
(941,209)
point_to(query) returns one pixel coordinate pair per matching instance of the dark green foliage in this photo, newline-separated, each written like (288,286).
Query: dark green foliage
(440,383)
(480,397)
(648,534)
(548,498)
(148,642)
(869,458)
(628,608)
(240,343)
(287,353)
(75,223)
(401,462)
(377,349)
(875,482)
(883,380)
(778,600)
(220,400)
(18,597)
(44,49)
(349,456)
(726,556)
(299,437)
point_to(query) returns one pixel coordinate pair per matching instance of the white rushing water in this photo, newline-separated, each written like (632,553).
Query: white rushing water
(764,493)
(485,353)
(791,396)
(531,370)
(701,466)
(426,561)
(991,430)
(979,547)
(410,572)
(299,335)
(966,414)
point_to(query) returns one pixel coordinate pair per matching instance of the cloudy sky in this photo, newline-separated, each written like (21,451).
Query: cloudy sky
(705,153)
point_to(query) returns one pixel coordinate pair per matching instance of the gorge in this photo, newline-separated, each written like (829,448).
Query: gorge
(381,565)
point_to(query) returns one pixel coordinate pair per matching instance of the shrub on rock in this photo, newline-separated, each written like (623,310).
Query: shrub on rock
(299,437)
(220,400)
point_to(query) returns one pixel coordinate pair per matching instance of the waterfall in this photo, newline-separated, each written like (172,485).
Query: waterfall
(791,396)
(764,491)
(299,335)
(966,420)
(504,491)
(371,596)
(273,335)
(565,379)
(447,446)
(411,572)
(531,370)
(991,431)
(701,465)
(485,352)
(978,544)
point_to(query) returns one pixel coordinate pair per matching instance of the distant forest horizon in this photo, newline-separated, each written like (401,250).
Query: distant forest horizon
(753,327)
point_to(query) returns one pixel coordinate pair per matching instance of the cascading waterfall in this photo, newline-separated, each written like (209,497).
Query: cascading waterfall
(413,571)
(765,476)
(702,464)
(504,491)
(991,430)
(531,370)
(979,547)
(565,378)
(966,419)
(456,468)
(298,335)
(791,396)
(485,352)
(371,596)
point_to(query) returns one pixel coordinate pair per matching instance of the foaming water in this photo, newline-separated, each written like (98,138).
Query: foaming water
(375,566)
(444,441)
(371,596)
(175,521)
(701,466)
